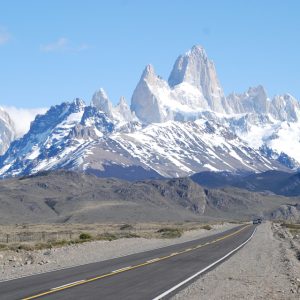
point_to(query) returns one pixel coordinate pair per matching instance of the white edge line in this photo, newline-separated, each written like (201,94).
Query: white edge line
(203,270)
(71,283)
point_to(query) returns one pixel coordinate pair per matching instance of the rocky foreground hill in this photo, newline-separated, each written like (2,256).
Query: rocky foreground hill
(65,196)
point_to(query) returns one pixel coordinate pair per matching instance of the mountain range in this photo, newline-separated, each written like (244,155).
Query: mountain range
(172,128)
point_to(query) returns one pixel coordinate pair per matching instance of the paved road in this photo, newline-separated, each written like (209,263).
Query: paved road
(145,275)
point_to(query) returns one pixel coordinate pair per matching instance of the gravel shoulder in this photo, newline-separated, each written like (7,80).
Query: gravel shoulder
(14,264)
(265,268)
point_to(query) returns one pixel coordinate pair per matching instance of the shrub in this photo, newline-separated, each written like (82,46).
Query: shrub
(170,233)
(26,247)
(126,227)
(107,236)
(85,236)
(3,246)
(59,243)
(206,227)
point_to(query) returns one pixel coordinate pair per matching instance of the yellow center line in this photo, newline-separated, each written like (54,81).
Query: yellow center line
(132,267)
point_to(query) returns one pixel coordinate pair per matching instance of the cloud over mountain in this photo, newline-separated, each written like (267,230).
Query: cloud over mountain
(22,117)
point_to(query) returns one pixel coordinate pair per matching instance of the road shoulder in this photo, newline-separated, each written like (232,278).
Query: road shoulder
(265,268)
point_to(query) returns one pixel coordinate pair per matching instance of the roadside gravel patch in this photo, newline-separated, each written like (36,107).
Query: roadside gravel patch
(15,264)
(265,268)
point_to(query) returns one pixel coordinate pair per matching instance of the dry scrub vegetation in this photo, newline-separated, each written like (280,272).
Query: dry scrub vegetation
(294,229)
(47,236)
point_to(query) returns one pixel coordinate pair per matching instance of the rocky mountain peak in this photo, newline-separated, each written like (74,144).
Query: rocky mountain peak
(148,71)
(101,101)
(7,130)
(122,105)
(122,101)
(78,104)
(286,108)
(149,75)
(96,120)
(122,111)
(255,100)
(197,51)
(144,102)
(258,91)
(195,68)
(187,67)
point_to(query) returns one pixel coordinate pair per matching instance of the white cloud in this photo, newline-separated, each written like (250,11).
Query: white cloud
(4,36)
(63,45)
(22,117)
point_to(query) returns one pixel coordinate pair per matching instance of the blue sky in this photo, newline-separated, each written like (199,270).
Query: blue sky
(54,51)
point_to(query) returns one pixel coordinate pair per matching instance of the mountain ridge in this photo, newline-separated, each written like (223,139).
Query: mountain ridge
(72,197)
(277,182)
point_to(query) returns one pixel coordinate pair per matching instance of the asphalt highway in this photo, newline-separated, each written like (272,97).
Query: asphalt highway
(155,274)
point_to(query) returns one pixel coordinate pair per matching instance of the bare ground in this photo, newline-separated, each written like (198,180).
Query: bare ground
(266,268)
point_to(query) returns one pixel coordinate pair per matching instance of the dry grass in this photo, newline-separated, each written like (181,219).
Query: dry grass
(45,236)
(291,225)
(294,229)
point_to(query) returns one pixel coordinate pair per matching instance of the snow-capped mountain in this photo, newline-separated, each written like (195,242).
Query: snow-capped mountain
(121,113)
(276,139)
(172,128)
(255,100)
(192,87)
(7,130)
(77,136)
(182,148)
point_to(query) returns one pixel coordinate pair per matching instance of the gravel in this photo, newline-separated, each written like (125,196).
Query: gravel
(265,268)
(14,264)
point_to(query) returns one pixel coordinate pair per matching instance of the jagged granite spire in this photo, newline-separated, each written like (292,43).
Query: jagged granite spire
(255,100)
(144,102)
(123,111)
(193,86)
(101,101)
(195,68)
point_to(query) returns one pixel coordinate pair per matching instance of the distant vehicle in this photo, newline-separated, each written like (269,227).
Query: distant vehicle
(257,221)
